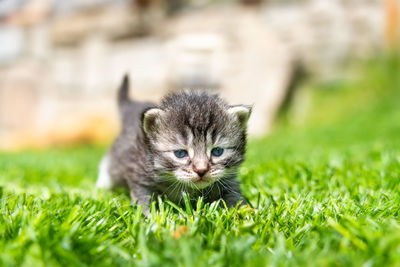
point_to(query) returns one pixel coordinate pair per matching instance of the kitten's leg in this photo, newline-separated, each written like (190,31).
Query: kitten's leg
(104,179)
(233,196)
(141,196)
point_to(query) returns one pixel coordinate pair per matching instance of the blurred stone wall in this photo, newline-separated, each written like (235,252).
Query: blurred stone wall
(61,61)
(324,35)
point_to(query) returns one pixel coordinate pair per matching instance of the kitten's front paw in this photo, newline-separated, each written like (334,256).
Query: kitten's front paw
(146,211)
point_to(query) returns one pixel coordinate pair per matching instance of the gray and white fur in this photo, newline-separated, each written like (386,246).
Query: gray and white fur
(192,142)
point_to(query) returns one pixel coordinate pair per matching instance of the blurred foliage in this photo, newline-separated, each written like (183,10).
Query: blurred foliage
(365,87)
(377,83)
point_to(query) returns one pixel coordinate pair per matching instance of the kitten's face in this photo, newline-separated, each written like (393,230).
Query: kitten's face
(196,160)
(197,149)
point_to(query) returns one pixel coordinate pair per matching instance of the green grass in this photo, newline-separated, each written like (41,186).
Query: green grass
(325,194)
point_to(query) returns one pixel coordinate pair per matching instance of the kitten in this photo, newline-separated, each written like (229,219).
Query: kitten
(192,142)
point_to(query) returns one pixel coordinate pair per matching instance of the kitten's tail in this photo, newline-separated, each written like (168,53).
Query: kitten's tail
(123,91)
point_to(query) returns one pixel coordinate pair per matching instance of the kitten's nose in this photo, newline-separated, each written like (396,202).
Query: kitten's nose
(201,168)
(201,172)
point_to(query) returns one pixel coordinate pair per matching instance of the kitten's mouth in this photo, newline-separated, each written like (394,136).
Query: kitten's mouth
(200,183)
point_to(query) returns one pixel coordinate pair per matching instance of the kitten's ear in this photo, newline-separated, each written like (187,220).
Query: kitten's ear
(151,119)
(241,114)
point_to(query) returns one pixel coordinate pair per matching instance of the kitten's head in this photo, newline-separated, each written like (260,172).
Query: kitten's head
(196,138)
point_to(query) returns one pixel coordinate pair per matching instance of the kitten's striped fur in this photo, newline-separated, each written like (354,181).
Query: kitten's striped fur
(142,157)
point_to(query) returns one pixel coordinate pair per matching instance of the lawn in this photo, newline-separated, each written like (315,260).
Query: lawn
(326,193)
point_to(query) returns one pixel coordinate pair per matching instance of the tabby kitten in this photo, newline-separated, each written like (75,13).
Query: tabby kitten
(192,142)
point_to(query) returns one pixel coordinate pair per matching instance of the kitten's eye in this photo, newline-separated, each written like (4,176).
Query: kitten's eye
(181,153)
(217,151)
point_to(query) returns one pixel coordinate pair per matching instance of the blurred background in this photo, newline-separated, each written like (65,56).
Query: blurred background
(61,61)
